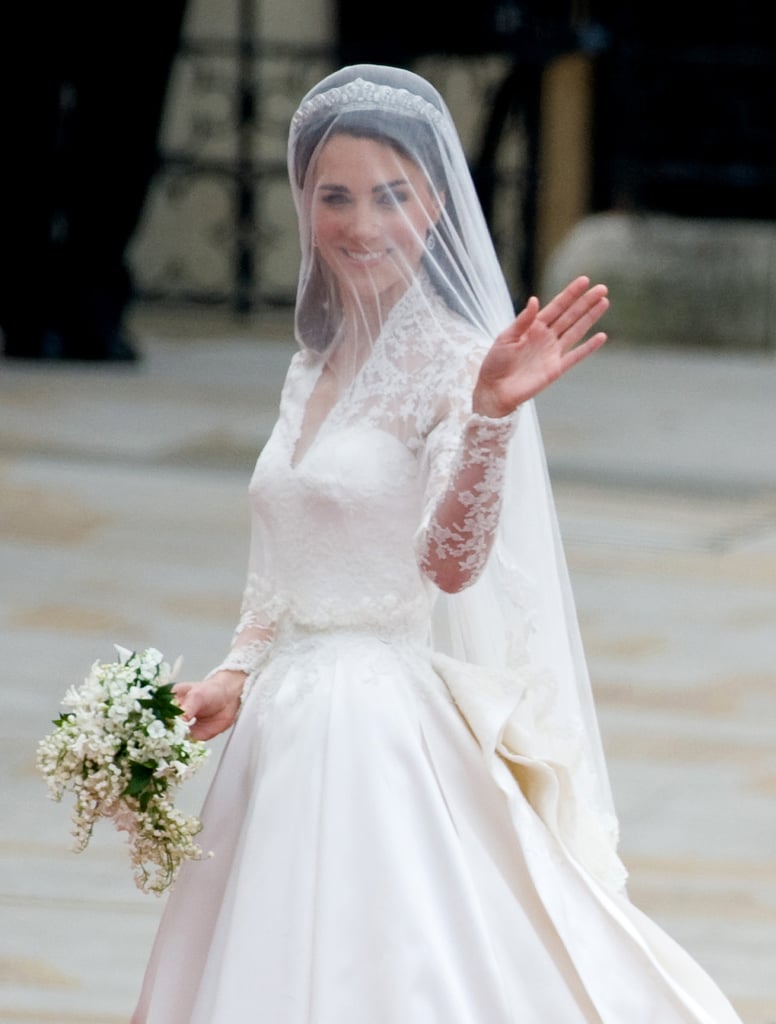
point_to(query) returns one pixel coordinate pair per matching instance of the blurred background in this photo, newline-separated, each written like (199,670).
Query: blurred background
(148,260)
(144,154)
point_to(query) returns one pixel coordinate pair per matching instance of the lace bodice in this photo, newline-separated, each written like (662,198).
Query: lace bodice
(396,495)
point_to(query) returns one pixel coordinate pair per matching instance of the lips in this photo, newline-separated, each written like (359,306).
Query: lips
(365,257)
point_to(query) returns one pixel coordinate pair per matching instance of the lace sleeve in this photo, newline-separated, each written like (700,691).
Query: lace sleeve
(261,607)
(465,461)
(253,634)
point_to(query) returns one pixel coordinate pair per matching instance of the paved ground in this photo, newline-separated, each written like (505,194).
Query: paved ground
(123,519)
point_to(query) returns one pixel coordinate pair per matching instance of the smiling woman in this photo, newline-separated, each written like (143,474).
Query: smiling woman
(372,213)
(412,819)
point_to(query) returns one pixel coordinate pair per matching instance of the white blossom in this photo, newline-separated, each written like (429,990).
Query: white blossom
(121,747)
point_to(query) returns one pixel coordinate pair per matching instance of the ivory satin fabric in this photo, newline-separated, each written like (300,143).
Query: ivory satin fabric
(372,862)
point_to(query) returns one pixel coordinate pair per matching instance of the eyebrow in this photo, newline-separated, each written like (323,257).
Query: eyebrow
(387,186)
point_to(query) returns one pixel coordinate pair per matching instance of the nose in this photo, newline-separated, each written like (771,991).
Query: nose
(364,225)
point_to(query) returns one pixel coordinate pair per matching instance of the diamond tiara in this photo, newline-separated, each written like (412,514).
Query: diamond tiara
(362,95)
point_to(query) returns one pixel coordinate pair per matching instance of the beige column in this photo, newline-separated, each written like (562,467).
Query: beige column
(566,152)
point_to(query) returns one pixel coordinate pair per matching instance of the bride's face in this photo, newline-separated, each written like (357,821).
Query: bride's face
(372,208)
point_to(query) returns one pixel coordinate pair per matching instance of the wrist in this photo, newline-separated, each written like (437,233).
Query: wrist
(485,403)
(232,681)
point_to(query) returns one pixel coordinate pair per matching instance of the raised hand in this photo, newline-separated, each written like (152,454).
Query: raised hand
(539,346)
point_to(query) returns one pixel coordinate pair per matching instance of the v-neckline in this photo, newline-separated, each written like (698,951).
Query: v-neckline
(297,455)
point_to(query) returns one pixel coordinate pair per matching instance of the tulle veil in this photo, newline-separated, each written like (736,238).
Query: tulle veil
(518,622)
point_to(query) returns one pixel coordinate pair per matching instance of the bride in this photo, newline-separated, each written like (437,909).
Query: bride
(411,822)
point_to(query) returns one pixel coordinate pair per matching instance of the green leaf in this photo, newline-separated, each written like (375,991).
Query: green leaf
(140,778)
(163,703)
(142,785)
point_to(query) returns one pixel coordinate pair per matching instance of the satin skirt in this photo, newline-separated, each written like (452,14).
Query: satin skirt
(367,867)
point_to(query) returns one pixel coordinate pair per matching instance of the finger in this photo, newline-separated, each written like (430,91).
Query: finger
(180,692)
(581,309)
(203,732)
(582,351)
(188,700)
(522,321)
(583,323)
(564,300)
(527,315)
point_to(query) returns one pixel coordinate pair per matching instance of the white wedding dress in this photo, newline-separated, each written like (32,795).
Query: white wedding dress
(375,860)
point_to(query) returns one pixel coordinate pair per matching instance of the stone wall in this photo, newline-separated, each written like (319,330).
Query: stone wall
(192,235)
(673,280)
(191,241)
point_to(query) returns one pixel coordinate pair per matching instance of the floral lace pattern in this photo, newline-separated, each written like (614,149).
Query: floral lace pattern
(305,663)
(243,657)
(456,542)
(264,599)
(398,490)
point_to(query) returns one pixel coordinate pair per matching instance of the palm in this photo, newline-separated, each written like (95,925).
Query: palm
(539,346)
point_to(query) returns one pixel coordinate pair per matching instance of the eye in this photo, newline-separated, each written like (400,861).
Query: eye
(393,197)
(334,199)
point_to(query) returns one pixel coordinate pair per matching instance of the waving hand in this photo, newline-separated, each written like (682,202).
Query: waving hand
(539,346)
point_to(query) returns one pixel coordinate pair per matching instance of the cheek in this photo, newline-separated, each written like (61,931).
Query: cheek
(410,233)
(324,225)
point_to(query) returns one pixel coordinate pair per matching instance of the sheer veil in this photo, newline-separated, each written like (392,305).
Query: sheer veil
(518,620)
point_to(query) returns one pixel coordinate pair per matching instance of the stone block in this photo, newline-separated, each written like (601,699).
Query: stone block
(674,280)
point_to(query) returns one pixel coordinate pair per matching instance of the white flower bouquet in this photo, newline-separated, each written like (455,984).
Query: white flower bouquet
(122,747)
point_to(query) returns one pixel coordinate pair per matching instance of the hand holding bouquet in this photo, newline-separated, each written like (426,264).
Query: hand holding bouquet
(122,747)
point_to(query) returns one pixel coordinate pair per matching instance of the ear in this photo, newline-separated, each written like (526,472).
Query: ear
(438,201)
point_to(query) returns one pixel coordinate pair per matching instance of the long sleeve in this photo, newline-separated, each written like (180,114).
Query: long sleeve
(254,633)
(252,636)
(261,605)
(465,462)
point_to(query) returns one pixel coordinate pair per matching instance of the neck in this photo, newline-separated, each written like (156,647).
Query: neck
(362,320)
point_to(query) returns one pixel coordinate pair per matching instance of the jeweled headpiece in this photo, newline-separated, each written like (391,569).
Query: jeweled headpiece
(362,95)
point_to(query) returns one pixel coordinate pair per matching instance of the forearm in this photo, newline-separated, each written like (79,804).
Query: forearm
(248,649)
(456,541)
(254,632)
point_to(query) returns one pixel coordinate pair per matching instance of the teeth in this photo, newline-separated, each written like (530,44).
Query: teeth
(364,257)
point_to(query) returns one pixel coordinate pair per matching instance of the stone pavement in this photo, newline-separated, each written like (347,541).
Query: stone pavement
(123,519)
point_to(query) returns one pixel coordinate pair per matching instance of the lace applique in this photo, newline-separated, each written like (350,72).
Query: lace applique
(283,681)
(456,541)
(386,614)
(420,396)
(407,386)
(253,634)
(282,673)
(423,397)
(243,658)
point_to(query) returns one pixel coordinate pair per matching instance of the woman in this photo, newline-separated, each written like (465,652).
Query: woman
(411,821)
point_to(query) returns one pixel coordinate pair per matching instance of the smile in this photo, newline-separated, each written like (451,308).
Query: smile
(365,257)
